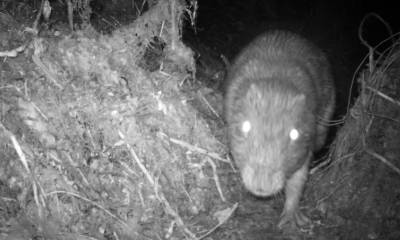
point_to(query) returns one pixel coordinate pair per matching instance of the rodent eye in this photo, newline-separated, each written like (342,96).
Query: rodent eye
(294,134)
(246,127)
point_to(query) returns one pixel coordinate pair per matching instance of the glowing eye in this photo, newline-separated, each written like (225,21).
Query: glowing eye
(246,127)
(294,134)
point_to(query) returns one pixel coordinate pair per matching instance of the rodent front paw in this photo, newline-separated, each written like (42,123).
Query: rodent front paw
(293,219)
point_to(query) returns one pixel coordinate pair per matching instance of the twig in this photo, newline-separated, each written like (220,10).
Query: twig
(76,167)
(39,13)
(170,230)
(137,160)
(330,123)
(46,71)
(174,24)
(128,169)
(384,160)
(39,111)
(221,221)
(91,202)
(337,187)
(383,117)
(353,80)
(172,212)
(161,29)
(392,37)
(191,11)
(199,150)
(360,28)
(384,96)
(20,153)
(70,10)
(216,179)
(209,105)
(14,52)
(158,193)
(104,20)
(325,163)
(363,41)
(38,199)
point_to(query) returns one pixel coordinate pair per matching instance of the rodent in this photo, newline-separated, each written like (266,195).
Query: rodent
(278,89)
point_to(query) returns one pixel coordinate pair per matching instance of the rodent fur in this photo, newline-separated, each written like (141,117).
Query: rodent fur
(279,82)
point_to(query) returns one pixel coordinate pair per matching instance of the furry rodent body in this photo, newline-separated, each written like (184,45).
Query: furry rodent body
(279,91)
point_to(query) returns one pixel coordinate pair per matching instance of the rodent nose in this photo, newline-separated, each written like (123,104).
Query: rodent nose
(262,182)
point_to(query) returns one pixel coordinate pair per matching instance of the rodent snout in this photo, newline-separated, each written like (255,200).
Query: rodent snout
(261,182)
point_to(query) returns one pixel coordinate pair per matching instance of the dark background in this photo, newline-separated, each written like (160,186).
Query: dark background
(226,26)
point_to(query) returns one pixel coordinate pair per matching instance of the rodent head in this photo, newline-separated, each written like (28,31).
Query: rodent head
(271,137)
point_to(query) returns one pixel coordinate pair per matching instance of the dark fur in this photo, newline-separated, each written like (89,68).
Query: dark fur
(278,82)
